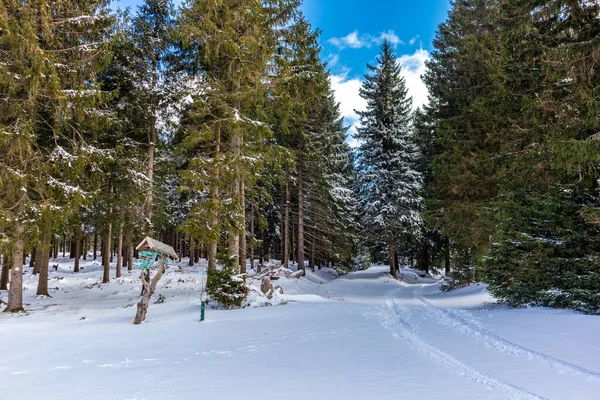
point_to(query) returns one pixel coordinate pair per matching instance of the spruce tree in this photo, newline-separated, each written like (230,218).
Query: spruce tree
(388,180)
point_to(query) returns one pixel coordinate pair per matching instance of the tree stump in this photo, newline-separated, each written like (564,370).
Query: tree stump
(265,285)
(148,291)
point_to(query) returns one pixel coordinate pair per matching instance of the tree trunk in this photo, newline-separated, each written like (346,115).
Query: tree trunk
(15,291)
(32,259)
(77,248)
(152,139)
(95,244)
(120,247)
(447,257)
(127,257)
(300,220)
(213,219)
(191,253)
(84,247)
(64,245)
(5,271)
(252,236)
(39,256)
(108,241)
(148,289)
(392,256)
(42,289)
(311,261)
(55,248)
(286,223)
(243,247)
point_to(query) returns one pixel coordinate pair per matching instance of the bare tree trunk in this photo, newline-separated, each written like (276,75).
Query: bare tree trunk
(148,289)
(64,245)
(55,248)
(32,259)
(128,259)
(311,262)
(300,220)
(120,247)
(95,244)
(252,235)
(5,271)
(15,291)
(213,219)
(108,241)
(181,241)
(77,248)
(152,139)
(447,257)
(243,247)
(191,252)
(84,247)
(392,256)
(38,257)
(286,223)
(42,289)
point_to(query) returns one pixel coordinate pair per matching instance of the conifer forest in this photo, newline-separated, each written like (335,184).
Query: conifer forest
(213,127)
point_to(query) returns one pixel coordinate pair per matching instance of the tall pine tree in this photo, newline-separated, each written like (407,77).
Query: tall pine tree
(388,180)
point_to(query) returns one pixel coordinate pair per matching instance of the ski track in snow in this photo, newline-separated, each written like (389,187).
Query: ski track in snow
(407,331)
(469,326)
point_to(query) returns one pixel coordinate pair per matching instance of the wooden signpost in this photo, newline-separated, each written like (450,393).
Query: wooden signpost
(151,249)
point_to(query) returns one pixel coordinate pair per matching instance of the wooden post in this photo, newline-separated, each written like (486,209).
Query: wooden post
(148,289)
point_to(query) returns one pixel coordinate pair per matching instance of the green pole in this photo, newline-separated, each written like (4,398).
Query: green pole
(202,304)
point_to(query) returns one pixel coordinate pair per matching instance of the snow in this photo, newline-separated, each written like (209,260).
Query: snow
(358,336)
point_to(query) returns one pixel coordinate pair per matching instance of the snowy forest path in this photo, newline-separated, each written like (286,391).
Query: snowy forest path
(453,338)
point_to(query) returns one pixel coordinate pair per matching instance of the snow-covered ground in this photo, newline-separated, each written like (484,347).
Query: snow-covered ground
(360,336)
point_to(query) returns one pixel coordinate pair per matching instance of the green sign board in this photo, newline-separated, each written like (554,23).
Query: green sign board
(148,254)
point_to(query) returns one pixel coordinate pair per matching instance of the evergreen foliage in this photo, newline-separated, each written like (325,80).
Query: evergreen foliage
(388,181)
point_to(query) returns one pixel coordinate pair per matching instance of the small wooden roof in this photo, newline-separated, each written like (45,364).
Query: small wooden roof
(152,244)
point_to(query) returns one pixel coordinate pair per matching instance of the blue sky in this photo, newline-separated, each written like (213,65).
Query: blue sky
(352,31)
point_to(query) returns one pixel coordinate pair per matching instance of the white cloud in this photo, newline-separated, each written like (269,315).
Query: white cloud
(390,36)
(413,40)
(347,93)
(355,41)
(413,66)
(332,60)
(351,40)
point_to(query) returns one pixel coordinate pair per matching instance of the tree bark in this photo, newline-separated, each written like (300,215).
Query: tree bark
(32,259)
(39,256)
(447,257)
(84,247)
(191,252)
(392,256)
(300,220)
(108,241)
(243,246)
(128,259)
(15,291)
(77,248)
(252,235)
(148,289)
(152,139)
(120,247)
(286,223)
(5,271)
(95,244)
(213,219)
(42,289)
